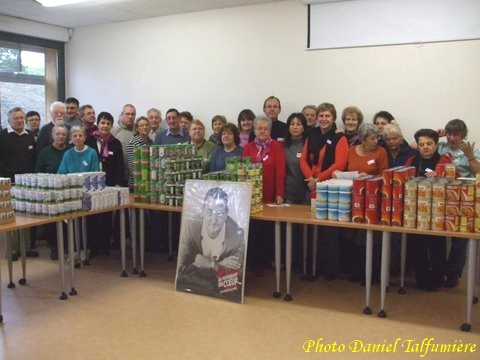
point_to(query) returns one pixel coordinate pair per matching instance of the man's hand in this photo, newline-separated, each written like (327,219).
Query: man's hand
(202,262)
(231,262)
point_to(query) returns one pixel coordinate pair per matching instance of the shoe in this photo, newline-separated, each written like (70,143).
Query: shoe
(14,256)
(54,254)
(32,253)
(452,281)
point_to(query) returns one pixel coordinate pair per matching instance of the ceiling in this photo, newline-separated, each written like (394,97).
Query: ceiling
(109,11)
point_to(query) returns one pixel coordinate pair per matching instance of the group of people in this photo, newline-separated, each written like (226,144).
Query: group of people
(295,155)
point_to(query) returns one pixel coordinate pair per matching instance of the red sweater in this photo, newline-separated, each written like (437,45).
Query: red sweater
(372,164)
(274,169)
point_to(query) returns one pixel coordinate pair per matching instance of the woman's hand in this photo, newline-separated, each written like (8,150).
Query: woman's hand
(278,200)
(311,183)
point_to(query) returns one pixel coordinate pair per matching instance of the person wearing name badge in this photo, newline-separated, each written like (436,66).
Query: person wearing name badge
(352,118)
(268,152)
(467,164)
(324,152)
(367,158)
(430,252)
(296,190)
(110,154)
(79,158)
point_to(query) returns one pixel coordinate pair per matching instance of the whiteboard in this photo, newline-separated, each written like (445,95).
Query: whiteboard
(388,22)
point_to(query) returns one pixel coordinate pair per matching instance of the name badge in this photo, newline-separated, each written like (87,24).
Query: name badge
(265,158)
(299,155)
(329,142)
(110,153)
(84,163)
(370,162)
(280,139)
(30,147)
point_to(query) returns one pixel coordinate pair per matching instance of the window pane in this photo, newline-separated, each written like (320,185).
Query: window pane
(27,96)
(9,60)
(33,63)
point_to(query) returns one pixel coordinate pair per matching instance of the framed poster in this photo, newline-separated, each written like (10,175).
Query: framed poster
(212,250)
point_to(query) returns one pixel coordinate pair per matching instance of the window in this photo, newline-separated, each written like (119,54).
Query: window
(31,74)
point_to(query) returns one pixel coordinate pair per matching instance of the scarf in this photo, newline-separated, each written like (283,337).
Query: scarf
(263,148)
(317,141)
(103,143)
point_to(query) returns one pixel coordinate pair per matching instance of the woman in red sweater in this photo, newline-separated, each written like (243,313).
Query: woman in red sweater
(268,152)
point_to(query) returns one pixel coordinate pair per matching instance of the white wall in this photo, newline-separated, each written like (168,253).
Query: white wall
(225,60)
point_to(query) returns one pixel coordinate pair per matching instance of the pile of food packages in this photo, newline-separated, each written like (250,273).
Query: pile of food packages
(160,172)
(240,168)
(398,198)
(55,194)
(7,215)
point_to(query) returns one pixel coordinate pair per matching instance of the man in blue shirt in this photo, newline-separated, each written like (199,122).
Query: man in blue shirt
(174,134)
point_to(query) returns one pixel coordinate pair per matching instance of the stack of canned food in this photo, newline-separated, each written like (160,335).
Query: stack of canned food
(7,214)
(160,172)
(241,169)
(333,200)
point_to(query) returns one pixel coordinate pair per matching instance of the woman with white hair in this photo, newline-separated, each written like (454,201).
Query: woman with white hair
(80,158)
(398,150)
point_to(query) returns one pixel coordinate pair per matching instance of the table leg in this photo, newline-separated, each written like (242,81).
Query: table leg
(386,240)
(305,234)
(10,235)
(477,284)
(61,260)
(123,242)
(368,271)
(170,236)
(85,241)
(78,259)
(472,257)
(142,243)
(288,259)
(278,259)
(71,254)
(403,260)
(23,251)
(133,235)
(1,314)
(314,252)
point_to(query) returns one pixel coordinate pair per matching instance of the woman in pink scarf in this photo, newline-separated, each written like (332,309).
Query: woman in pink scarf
(270,154)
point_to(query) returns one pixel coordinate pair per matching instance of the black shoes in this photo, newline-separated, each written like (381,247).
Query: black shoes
(452,281)
(32,253)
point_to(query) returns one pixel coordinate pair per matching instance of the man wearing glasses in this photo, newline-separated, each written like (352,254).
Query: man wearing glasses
(212,251)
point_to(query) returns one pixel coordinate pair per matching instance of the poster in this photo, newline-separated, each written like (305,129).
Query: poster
(212,250)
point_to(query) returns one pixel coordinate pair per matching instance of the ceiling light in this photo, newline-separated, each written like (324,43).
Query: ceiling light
(51,3)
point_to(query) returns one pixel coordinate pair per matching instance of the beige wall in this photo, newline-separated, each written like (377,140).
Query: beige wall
(225,60)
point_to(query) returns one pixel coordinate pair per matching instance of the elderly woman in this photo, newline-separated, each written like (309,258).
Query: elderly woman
(352,118)
(79,158)
(398,150)
(367,158)
(48,161)
(141,131)
(268,152)
(324,152)
(204,147)
(229,148)
(245,126)
(110,153)
(429,251)
(467,163)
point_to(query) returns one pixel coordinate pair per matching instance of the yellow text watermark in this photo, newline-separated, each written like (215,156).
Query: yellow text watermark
(422,347)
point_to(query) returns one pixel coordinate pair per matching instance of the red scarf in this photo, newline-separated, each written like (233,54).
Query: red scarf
(103,143)
(263,148)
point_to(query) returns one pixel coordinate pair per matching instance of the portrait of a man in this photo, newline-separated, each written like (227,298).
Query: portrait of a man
(212,245)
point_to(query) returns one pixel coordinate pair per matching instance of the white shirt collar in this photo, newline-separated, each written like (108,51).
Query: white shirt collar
(10,130)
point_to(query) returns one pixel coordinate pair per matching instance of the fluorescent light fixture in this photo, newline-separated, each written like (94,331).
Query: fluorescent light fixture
(51,3)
